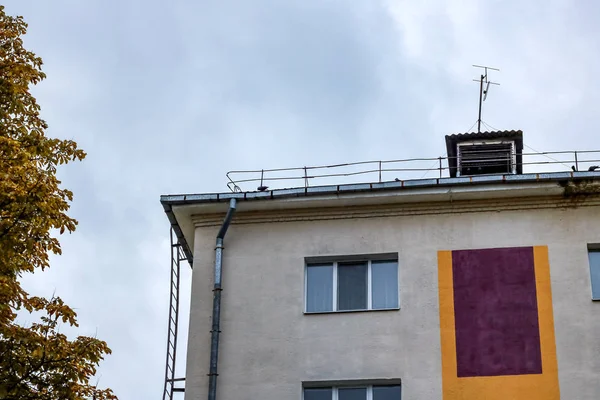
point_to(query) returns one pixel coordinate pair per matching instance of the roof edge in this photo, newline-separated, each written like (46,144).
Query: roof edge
(182,199)
(189,255)
(180,204)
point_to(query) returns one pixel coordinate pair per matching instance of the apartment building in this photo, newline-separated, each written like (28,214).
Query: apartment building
(477,284)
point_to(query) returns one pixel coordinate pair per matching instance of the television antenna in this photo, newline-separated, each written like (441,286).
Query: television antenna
(483,93)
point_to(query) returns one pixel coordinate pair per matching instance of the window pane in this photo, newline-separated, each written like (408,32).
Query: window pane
(319,288)
(352,286)
(384,278)
(317,394)
(595,273)
(386,393)
(352,394)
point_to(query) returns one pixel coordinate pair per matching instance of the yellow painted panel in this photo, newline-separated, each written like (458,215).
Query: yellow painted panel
(516,387)
(447,331)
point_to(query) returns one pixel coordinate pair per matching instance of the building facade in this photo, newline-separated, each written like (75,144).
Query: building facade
(457,288)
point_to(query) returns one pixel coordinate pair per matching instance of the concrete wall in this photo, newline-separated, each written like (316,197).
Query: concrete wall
(269,347)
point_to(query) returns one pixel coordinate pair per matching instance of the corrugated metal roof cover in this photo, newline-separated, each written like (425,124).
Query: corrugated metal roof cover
(485,135)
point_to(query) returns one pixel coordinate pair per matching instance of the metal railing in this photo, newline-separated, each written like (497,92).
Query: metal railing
(401,169)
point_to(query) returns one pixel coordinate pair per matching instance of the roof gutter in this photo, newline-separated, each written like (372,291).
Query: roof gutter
(310,191)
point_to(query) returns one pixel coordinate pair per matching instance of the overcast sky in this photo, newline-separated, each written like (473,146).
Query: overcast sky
(166,97)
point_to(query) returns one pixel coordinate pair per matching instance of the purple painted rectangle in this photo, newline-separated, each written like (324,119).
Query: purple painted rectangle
(495,311)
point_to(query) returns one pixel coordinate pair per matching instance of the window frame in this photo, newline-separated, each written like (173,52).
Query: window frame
(334,389)
(335,263)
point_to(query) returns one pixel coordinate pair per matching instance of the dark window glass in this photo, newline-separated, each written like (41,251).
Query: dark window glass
(317,394)
(352,286)
(387,393)
(352,394)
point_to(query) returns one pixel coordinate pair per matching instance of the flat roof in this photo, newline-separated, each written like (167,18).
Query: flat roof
(395,188)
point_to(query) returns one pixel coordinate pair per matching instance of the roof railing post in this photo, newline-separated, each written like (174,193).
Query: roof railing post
(440,158)
(305,178)
(379,171)
(576,162)
(262,175)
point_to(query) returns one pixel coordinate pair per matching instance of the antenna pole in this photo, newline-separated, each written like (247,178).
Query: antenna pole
(480,101)
(483,79)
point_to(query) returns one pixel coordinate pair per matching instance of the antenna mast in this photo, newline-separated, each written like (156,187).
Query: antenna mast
(483,92)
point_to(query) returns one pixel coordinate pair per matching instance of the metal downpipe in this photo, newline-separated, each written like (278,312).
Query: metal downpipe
(216,314)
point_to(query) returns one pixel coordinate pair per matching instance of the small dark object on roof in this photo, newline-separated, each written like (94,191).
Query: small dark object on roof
(593,167)
(262,188)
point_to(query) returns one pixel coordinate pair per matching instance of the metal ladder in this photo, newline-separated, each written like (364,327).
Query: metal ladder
(177,256)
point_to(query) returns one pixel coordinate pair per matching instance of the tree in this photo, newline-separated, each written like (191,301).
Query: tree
(37,361)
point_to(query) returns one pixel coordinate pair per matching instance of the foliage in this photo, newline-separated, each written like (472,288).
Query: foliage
(36,362)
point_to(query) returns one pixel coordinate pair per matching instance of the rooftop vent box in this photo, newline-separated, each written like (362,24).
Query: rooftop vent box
(485,153)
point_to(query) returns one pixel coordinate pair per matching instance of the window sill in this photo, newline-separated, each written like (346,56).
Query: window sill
(596,300)
(350,311)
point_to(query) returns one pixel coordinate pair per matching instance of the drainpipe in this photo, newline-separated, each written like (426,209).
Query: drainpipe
(216,314)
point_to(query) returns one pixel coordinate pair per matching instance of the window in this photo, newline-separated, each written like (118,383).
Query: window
(354,393)
(351,286)
(594,256)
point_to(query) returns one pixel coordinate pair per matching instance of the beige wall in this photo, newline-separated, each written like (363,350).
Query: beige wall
(269,347)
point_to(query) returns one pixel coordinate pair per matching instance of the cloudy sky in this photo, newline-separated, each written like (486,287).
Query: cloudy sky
(166,97)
